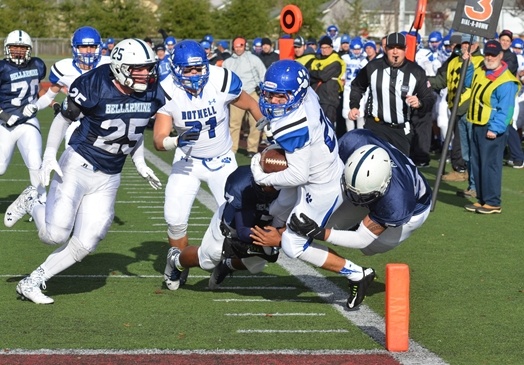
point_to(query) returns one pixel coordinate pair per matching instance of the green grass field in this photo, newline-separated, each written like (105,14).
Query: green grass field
(467,292)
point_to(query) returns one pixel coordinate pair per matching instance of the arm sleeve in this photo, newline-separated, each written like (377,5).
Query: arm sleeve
(243,223)
(138,153)
(358,239)
(46,99)
(56,134)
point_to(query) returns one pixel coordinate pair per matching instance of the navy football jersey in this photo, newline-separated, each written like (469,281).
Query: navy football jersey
(408,192)
(246,206)
(19,85)
(112,122)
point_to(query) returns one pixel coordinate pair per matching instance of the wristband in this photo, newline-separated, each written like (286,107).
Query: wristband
(170,143)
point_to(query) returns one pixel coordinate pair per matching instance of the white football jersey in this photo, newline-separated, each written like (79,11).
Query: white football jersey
(310,143)
(65,71)
(209,111)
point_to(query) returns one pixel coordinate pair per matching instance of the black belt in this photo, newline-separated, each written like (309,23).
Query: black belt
(391,125)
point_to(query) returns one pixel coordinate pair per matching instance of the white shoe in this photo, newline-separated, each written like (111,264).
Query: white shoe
(21,206)
(29,288)
(171,272)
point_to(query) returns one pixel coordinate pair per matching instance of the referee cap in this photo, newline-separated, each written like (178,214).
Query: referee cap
(396,40)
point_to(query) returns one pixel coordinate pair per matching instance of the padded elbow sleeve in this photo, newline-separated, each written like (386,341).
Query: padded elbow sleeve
(70,110)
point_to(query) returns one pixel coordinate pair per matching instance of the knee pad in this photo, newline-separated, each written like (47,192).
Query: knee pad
(254,264)
(77,249)
(177,231)
(315,254)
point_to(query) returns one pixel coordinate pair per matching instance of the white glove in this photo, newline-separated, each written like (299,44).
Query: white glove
(30,110)
(258,174)
(262,123)
(149,175)
(48,165)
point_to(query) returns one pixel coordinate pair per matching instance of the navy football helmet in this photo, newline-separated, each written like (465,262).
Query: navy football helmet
(86,36)
(188,56)
(283,77)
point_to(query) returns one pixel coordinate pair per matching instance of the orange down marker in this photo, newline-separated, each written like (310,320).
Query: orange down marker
(397,307)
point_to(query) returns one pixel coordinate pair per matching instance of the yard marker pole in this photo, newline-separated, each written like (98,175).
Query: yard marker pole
(397,307)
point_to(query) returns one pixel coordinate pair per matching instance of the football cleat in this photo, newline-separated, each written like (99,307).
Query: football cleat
(358,289)
(21,206)
(29,288)
(171,272)
(219,274)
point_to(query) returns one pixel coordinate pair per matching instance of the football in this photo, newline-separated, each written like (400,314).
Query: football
(273,159)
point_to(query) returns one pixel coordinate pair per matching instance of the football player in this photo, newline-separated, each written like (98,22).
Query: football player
(199,95)
(227,245)
(311,183)
(86,46)
(376,177)
(20,77)
(113,103)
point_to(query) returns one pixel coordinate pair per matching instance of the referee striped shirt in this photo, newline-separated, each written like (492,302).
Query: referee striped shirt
(389,87)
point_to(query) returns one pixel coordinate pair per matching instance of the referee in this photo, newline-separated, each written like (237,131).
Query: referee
(397,89)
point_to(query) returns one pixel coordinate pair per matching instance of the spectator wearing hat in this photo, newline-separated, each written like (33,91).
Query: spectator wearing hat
(311,45)
(326,77)
(251,70)
(389,109)
(223,49)
(370,48)
(213,57)
(299,46)
(494,89)
(110,42)
(267,55)
(505,39)
(344,45)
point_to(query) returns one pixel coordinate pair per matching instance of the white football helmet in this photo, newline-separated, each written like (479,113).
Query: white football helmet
(21,39)
(131,54)
(367,174)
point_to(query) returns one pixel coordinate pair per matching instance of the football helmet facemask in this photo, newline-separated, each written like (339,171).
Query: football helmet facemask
(18,38)
(188,56)
(131,54)
(367,174)
(286,77)
(86,36)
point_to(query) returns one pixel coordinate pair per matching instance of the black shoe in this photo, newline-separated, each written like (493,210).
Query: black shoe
(422,164)
(358,289)
(250,154)
(220,272)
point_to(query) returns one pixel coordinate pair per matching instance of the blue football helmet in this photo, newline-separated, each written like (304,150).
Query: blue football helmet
(283,77)
(332,31)
(517,43)
(356,47)
(86,36)
(170,43)
(188,55)
(435,40)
